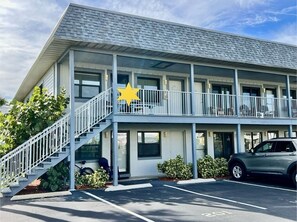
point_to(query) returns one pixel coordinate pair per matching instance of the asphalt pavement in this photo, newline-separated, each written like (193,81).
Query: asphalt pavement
(223,200)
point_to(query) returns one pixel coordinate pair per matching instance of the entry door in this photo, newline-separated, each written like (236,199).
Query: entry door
(198,89)
(175,97)
(270,95)
(123,152)
(223,144)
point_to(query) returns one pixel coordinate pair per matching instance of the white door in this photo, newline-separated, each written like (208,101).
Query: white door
(270,100)
(175,99)
(198,98)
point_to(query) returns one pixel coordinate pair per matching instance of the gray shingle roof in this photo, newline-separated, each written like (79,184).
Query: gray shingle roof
(100,26)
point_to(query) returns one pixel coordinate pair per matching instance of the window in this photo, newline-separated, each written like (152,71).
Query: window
(86,84)
(221,89)
(294,134)
(149,144)
(91,150)
(264,148)
(123,80)
(150,85)
(272,134)
(252,139)
(284,146)
(201,150)
(251,91)
(292,93)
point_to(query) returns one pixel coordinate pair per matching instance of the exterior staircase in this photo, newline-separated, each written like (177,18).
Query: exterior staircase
(33,158)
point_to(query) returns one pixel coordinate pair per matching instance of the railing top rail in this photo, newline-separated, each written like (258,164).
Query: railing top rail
(53,126)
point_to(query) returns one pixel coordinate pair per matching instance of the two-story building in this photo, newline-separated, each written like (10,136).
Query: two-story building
(201,91)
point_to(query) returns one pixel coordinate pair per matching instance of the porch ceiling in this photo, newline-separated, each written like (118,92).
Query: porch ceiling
(55,48)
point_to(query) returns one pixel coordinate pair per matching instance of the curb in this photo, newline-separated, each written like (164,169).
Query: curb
(194,181)
(128,187)
(40,195)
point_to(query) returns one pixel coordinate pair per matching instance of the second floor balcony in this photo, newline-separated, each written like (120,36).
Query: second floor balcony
(178,103)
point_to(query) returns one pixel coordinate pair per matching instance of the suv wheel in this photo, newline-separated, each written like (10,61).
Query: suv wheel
(294,178)
(238,171)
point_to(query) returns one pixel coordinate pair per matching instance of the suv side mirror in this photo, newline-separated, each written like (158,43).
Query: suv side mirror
(252,150)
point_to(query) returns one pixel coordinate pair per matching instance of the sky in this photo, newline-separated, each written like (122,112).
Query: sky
(25,25)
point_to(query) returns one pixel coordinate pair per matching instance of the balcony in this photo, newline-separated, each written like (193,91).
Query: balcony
(176,103)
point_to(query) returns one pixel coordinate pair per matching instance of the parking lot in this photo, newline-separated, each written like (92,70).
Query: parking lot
(223,200)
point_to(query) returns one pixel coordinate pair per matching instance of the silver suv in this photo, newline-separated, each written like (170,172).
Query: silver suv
(271,157)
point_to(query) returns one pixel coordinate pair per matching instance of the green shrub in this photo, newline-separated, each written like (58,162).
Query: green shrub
(206,167)
(80,179)
(56,178)
(96,180)
(221,166)
(176,168)
(210,168)
(25,120)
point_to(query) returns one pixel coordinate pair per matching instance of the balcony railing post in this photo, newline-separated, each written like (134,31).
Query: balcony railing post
(256,109)
(236,93)
(89,117)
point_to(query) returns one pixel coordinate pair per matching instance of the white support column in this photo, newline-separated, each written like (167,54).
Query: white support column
(114,84)
(238,135)
(193,101)
(238,126)
(236,90)
(115,124)
(115,153)
(193,111)
(289,104)
(72,120)
(194,157)
(106,79)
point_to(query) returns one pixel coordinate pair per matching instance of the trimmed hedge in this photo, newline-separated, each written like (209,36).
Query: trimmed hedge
(176,168)
(210,168)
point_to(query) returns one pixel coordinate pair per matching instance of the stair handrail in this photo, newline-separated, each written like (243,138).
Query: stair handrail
(21,160)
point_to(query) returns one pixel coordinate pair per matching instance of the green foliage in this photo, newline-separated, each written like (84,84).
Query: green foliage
(56,178)
(2,101)
(96,180)
(210,168)
(25,120)
(80,179)
(206,167)
(176,168)
(221,165)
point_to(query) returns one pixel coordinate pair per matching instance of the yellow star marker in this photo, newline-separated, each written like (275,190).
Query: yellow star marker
(128,94)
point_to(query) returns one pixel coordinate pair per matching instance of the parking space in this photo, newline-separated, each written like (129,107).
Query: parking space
(165,201)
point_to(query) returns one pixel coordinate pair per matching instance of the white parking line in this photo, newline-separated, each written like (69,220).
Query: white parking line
(118,207)
(257,185)
(217,198)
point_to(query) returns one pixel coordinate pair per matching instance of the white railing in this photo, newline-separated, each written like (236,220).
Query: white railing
(178,103)
(294,108)
(263,107)
(211,104)
(158,102)
(25,157)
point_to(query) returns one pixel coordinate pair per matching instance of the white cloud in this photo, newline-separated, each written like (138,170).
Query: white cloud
(26,25)
(286,34)
(24,28)
(259,19)
(251,3)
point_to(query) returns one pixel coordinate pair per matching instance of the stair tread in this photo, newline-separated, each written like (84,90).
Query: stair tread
(6,190)
(14,185)
(23,179)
